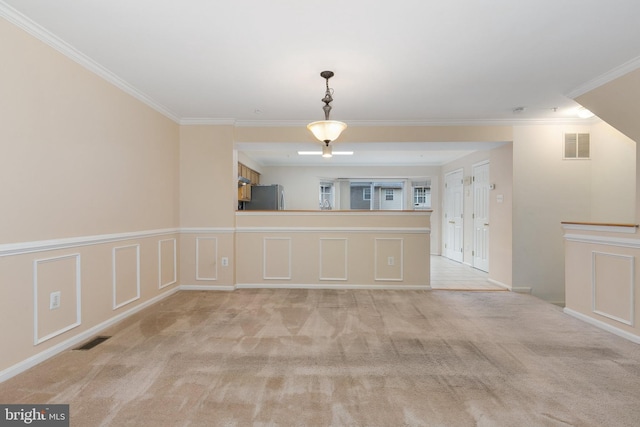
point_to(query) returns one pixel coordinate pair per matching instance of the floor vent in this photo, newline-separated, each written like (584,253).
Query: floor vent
(94,342)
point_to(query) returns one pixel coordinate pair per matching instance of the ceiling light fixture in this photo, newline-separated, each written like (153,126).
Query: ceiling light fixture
(583,113)
(327,130)
(319,153)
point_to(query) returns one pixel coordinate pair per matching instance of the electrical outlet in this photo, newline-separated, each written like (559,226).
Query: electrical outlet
(54,300)
(390,261)
(225,261)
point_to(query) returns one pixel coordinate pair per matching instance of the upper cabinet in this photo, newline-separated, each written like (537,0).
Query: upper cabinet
(246,178)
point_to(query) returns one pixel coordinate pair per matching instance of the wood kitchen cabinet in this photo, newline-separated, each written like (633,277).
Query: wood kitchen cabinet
(244,189)
(255,177)
(244,193)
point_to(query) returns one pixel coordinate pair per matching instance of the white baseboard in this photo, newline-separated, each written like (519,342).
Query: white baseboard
(502,285)
(32,361)
(207,288)
(521,290)
(328,286)
(602,325)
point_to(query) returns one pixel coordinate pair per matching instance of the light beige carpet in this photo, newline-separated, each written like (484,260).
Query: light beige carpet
(344,358)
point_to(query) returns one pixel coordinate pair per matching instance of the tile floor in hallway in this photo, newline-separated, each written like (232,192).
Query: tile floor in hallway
(452,275)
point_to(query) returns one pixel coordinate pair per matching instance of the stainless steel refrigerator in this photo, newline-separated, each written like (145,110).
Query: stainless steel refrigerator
(266,198)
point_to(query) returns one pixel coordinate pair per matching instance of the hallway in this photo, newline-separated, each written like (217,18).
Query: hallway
(451,275)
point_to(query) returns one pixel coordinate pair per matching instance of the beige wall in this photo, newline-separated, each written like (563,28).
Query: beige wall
(548,190)
(208,201)
(79,157)
(364,134)
(89,200)
(208,176)
(602,273)
(613,171)
(616,103)
(601,269)
(500,174)
(343,249)
(500,215)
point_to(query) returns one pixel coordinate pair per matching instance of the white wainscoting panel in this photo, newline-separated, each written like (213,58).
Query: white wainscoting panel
(56,274)
(276,258)
(613,286)
(167,263)
(206,258)
(333,259)
(389,257)
(126,274)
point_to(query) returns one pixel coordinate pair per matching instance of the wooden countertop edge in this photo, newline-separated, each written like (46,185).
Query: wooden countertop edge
(340,211)
(600,224)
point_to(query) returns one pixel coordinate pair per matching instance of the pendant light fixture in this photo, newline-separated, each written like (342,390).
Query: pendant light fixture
(327,130)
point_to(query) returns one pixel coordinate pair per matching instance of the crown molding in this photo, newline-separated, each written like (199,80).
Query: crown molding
(396,123)
(15,17)
(195,121)
(44,35)
(605,78)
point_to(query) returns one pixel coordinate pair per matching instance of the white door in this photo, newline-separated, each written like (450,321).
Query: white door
(454,225)
(481,216)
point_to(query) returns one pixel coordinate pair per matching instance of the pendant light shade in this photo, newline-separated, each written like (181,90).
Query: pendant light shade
(327,130)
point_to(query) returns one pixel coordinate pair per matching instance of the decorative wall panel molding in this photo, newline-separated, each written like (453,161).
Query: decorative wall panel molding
(59,275)
(206,258)
(74,340)
(603,325)
(276,258)
(126,275)
(389,259)
(333,259)
(167,263)
(613,286)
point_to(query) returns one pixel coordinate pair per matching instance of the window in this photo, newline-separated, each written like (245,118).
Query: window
(326,195)
(366,193)
(421,194)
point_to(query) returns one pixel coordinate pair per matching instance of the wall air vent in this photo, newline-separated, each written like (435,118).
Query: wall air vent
(577,146)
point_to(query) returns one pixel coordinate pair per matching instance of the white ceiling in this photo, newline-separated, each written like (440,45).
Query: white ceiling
(254,62)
